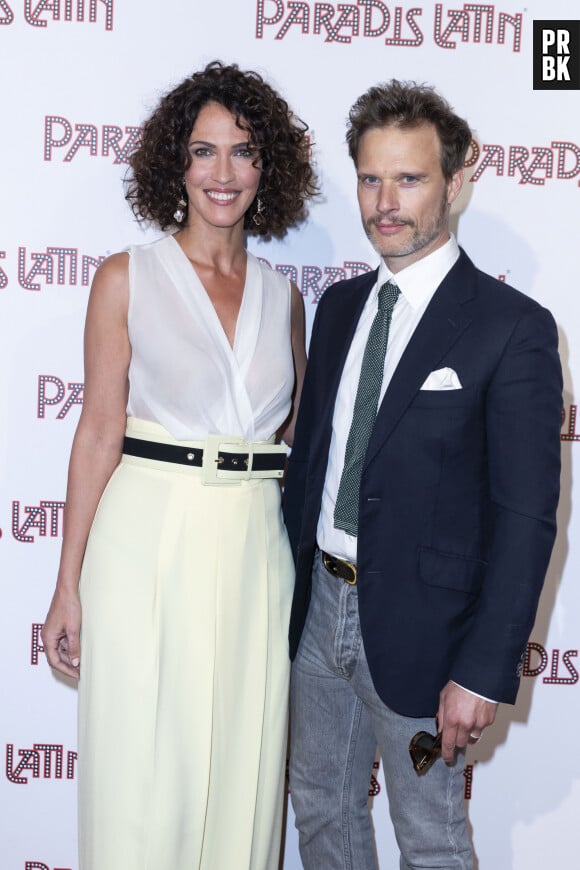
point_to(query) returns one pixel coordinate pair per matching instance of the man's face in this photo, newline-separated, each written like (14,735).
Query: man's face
(403,197)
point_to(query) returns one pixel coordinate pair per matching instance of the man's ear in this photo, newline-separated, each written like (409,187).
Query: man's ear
(455,185)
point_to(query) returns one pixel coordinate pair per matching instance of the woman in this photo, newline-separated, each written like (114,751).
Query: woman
(194,355)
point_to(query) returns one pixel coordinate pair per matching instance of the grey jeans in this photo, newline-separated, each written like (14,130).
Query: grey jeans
(337,722)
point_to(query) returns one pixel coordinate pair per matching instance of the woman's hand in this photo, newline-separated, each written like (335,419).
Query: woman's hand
(61,633)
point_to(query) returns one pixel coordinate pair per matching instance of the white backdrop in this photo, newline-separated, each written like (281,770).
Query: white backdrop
(78,77)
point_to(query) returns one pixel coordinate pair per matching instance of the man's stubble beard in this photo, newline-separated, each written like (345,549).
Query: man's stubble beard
(420,238)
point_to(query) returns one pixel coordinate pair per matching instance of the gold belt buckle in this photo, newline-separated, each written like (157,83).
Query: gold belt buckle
(330,567)
(353,569)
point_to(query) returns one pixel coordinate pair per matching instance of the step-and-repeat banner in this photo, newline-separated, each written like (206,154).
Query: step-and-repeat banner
(78,77)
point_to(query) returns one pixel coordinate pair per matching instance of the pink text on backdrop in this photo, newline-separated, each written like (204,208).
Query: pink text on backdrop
(570,434)
(104,141)
(530,165)
(39,13)
(41,761)
(342,22)
(315,280)
(53,393)
(31,520)
(40,865)
(537,659)
(3,275)
(61,262)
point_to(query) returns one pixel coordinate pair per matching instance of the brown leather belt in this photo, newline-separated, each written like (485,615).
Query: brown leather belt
(339,568)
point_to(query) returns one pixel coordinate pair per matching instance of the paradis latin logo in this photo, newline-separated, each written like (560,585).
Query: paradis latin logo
(569,420)
(40,761)
(56,264)
(40,865)
(372,19)
(41,13)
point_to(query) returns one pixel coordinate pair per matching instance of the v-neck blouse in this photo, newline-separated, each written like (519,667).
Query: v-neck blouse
(184,374)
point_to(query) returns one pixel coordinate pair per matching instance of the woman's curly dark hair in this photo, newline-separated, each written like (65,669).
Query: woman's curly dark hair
(155,180)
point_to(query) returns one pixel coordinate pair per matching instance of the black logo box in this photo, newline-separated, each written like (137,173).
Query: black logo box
(560,42)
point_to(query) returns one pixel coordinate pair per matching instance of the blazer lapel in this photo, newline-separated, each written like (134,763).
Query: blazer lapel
(346,311)
(444,320)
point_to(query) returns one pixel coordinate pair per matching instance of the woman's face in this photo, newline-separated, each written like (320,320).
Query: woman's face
(222,179)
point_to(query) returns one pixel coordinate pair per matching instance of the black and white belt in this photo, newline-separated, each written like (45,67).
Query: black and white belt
(221,459)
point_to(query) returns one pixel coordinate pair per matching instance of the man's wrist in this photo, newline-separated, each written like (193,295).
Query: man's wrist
(477,695)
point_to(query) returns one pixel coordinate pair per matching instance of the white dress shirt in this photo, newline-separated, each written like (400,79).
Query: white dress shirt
(417,283)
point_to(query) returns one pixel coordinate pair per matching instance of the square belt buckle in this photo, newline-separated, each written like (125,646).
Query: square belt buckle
(210,465)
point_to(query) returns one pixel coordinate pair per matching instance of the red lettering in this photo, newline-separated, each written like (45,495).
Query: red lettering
(50,141)
(3,275)
(555,679)
(379,27)
(29,760)
(468,777)
(514,21)
(8,16)
(300,14)
(43,400)
(459,24)
(398,39)
(570,435)
(493,157)
(36,646)
(261,18)
(564,150)
(527,669)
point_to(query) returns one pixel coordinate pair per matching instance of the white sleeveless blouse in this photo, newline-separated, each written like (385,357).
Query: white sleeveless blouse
(183,373)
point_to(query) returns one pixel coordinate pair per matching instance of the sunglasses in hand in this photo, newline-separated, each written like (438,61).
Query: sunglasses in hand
(424,750)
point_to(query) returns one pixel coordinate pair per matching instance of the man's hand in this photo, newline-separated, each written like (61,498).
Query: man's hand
(461,718)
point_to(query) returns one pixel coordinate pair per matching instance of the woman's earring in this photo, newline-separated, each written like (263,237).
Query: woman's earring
(179,212)
(257,218)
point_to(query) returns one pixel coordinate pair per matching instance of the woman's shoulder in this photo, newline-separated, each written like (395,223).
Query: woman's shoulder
(278,281)
(149,249)
(113,269)
(109,295)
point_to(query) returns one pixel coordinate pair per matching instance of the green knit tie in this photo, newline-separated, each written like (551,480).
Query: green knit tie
(365,411)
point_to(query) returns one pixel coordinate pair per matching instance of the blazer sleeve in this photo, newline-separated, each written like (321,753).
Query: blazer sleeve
(523,421)
(298,461)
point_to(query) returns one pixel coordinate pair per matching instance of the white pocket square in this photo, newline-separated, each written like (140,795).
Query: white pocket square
(442,379)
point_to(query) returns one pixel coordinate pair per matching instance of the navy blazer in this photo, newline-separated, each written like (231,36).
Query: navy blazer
(457,509)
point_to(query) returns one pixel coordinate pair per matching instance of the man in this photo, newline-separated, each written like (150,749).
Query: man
(422,535)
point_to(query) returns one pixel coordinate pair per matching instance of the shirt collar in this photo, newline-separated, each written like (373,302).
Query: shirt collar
(419,281)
